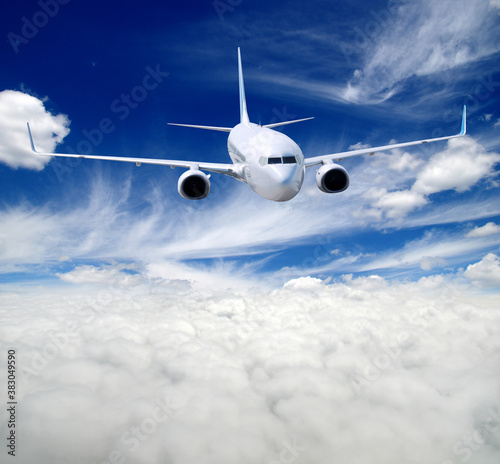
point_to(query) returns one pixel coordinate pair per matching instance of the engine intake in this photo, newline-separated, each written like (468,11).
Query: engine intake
(193,185)
(332,178)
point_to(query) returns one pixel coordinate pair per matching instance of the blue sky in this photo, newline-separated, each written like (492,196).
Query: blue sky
(356,327)
(368,73)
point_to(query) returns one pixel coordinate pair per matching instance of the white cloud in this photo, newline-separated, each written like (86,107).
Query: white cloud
(459,167)
(457,210)
(388,45)
(404,163)
(92,274)
(304,283)
(18,108)
(157,372)
(485,231)
(432,250)
(206,277)
(485,273)
(428,263)
(401,161)
(359,146)
(399,203)
(105,225)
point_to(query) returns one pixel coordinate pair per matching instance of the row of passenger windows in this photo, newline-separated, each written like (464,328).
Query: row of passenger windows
(278,160)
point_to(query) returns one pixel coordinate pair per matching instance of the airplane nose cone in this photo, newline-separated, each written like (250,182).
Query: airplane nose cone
(289,180)
(285,174)
(285,194)
(277,183)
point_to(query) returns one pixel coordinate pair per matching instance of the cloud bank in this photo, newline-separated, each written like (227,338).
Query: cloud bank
(121,367)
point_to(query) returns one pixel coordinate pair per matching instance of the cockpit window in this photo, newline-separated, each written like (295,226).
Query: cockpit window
(288,159)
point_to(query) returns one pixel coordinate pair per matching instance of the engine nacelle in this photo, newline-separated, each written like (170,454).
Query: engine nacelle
(193,185)
(332,178)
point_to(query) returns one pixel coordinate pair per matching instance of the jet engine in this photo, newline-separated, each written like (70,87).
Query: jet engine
(332,178)
(193,185)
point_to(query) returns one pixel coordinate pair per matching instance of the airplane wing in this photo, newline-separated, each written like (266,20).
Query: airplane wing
(221,168)
(348,154)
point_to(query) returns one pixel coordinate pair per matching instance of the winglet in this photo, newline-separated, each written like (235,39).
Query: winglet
(243,103)
(31,138)
(464,124)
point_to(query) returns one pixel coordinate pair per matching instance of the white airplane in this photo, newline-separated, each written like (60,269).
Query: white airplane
(269,161)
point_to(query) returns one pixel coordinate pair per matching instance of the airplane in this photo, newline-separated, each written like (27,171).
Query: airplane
(270,162)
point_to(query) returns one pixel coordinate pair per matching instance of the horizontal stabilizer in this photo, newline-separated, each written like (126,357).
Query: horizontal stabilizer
(221,129)
(277,124)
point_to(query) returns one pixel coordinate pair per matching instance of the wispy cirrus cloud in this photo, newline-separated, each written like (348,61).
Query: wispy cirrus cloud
(424,38)
(169,237)
(390,46)
(433,250)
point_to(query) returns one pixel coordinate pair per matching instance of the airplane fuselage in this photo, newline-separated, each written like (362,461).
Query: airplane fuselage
(267,160)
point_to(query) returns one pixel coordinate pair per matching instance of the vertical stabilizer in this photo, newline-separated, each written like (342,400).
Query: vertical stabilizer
(243,103)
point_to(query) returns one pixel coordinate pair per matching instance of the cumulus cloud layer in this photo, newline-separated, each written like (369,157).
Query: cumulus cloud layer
(18,108)
(133,369)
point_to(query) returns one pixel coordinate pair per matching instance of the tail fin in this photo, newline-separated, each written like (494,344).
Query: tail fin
(243,102)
